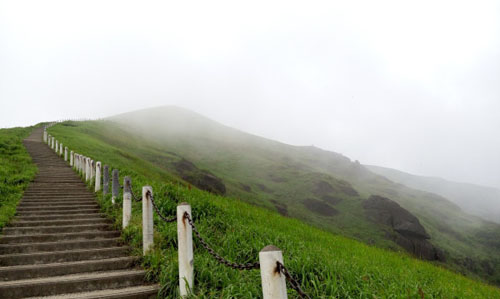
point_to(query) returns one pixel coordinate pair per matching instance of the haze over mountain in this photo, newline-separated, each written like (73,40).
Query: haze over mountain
(332,71)
(320,187)
(478,200)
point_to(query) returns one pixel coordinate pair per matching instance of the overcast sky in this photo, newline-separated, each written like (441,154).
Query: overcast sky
(413,85)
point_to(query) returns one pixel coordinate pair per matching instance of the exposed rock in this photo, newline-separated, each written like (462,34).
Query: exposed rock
(202,179)
(246,187)
(333,200)
(280,207)
(421,248)
(346,188)
(388,212)
(277,179)
(319,207)
(206,181)
(323,188)
(410,234)
(264,188)
(184,165)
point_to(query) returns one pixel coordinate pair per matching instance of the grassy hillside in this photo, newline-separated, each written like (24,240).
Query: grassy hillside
(477,200)
(328,265)
(320,187)
(16,170)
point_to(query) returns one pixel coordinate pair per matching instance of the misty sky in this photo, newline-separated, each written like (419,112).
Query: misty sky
(413,85)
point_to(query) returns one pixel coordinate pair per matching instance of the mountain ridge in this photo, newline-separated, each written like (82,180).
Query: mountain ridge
(286,179)
(482,201)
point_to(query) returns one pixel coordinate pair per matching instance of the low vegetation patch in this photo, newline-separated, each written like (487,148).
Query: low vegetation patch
(326,265)
(16,171)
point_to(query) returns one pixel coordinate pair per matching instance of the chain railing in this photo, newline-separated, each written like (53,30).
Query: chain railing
(132,193)
(293,283)
(163,217)
(271,260)
(221,260)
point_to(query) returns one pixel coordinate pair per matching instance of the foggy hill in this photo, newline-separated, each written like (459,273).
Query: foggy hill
(320,187)
(477,200)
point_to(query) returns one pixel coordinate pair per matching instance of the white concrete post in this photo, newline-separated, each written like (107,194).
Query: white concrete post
(71,158)
(147,219)
(105,180)
(92,169)
(56,148)
(77,162)
(82,165)
(185,250)
(60,149)
(87,169)
(53,142)
(66,154)
(115,185)
(44,136)
(127,201)
(97,176)
(273,282)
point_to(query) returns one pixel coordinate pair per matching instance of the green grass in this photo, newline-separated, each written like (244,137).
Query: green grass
(290,175)
(326,264)
(16,171)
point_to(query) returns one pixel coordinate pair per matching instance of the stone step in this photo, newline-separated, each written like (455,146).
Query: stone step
(51,229)
(60,207)
(59,222)
(63,194)
(62,191)
(55,269)
(62,256)
(58,196)
(84,282)
(27,204)
(59,217)
(55,213)
(58,237)
(140,292)
(58,246)
(58,199)
(50,182)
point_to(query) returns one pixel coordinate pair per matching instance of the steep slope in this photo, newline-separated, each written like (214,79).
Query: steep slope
(326,265)
(477,200)
(320,187)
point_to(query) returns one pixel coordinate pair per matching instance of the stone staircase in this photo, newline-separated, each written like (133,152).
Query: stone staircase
(59,245)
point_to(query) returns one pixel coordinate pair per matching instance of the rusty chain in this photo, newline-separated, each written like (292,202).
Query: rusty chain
(132,192)
(133,195)
(293,283)
(171,219)
(248,266)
